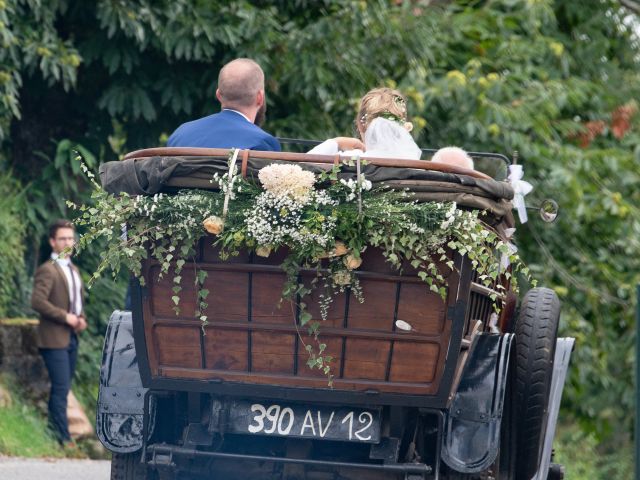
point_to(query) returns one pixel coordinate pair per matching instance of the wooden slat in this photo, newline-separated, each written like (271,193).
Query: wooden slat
(228,293)
(272,352)
(227,297)
(366,359)
(291,329)
(422,309)
(266,292)
(178,347)
(299,381)
(414,362)
(226,349)
(377,310)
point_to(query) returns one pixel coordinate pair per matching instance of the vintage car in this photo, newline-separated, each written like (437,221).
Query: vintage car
(463,394)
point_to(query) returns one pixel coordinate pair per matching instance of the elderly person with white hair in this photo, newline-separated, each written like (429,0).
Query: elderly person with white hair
(453,156)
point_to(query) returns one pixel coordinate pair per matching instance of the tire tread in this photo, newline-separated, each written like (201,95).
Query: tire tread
(127,466)
(536,331)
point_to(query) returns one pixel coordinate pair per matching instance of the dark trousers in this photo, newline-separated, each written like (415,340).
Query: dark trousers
(61,364)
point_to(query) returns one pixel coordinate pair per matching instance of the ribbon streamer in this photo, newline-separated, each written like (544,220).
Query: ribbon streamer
(359,180)
(232,177)
(520,189)
(504,258)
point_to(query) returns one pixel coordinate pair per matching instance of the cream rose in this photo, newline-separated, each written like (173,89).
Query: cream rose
(263,251)
(213,224)
(352,262)
(339,250)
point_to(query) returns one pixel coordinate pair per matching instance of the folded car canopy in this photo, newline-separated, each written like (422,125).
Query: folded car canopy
(150,171)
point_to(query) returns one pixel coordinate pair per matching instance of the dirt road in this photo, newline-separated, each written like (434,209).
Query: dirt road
(12,468)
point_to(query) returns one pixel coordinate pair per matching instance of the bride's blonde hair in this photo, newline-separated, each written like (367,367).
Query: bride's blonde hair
(382,102)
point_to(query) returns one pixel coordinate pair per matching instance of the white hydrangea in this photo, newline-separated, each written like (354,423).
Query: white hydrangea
(287,180)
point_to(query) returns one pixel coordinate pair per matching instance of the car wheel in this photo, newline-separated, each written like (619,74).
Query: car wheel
(536,330)
(127,466)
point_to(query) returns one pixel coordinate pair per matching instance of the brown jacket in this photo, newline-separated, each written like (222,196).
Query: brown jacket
(50,298)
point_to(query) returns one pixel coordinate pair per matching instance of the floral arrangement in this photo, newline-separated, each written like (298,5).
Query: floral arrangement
(324,222)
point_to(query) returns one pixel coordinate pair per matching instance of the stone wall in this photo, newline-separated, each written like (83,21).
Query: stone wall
(19,358)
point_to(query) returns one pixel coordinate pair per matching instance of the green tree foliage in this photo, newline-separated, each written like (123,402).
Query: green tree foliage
(12,274)
(556,81)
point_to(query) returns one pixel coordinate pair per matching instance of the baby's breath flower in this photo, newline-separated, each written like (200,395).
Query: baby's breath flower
(342,277)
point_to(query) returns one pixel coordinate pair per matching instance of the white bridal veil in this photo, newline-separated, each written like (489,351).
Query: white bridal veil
(386,138)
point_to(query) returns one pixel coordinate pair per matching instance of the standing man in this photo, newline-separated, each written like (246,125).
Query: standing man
(241,94)
(57,297)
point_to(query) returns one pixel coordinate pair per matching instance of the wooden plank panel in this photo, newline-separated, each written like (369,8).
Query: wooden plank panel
(226,349)
(366,359)
(228,295)
(161,293)
(374,261)
(422,309)
(227,300)
(266,291)
(178,346)
(377,310)
(414,362)
(272,352)
(414,367)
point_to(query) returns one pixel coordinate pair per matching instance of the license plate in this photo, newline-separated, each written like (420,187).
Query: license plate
(319,422)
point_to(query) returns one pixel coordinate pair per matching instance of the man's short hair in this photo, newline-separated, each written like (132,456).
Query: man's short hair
(239,81)
(58,224)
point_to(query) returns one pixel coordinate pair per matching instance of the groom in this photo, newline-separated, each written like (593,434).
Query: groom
(241,94)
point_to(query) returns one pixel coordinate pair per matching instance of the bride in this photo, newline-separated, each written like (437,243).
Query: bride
(383,127)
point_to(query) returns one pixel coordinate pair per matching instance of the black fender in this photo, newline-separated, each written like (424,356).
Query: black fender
(121,395)
(471,436)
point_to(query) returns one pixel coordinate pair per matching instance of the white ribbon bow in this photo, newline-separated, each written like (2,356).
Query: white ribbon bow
(520,189)
(505,257)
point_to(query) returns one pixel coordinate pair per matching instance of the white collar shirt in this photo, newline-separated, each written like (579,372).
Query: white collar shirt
(65,265)
(239,113)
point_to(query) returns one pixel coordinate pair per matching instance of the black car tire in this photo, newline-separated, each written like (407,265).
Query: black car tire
(536,330)
(127,466)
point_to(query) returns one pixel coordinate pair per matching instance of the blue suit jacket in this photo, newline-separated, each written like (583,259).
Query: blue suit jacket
(227,129)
